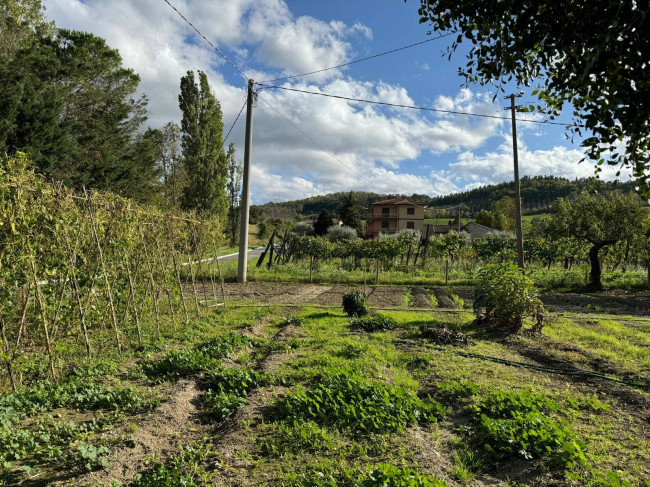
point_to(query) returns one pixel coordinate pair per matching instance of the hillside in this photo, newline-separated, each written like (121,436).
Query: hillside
(538,194)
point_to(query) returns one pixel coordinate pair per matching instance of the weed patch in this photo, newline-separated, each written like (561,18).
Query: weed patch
(386,474)
(358,406)
(372,324)
(184,469)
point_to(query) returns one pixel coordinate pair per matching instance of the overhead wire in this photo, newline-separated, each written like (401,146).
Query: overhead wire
(312,140)
(207,40)
(233,124)
(413,107)
(360,59)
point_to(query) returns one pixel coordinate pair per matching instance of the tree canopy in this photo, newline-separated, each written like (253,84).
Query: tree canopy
(202,141)
(594,57)
(67,101)
(598,220)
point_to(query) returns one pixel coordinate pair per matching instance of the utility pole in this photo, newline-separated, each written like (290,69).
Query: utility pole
(242,263)
(518,230)
(458,219)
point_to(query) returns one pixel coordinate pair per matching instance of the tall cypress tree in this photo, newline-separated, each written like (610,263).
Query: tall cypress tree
(202,141)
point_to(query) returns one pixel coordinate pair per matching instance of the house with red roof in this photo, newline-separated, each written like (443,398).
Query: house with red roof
(390,216)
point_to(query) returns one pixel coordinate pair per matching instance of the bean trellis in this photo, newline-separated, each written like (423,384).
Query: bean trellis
(70,264)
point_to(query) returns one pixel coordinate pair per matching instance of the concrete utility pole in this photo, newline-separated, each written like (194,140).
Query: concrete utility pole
(242,263)
(518,230)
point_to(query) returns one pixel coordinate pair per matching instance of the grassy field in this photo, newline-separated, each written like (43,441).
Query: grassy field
(261,393)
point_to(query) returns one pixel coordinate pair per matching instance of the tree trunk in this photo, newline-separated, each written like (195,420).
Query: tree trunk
(595,283)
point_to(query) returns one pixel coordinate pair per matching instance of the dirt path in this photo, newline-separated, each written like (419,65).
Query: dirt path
(233,441)
(160,433)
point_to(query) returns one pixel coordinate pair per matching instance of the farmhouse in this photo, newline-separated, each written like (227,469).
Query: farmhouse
(390,216)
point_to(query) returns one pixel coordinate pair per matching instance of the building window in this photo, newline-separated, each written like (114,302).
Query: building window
(410,211)
(385,211)
(384,225)
(410,225)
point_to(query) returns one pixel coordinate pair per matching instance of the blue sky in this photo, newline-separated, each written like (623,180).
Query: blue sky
(378,149)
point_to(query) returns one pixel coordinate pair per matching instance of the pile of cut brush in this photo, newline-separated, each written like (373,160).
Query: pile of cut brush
(442,335)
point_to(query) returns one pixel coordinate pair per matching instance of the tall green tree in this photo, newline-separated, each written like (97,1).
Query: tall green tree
(351,213)
(202,142)
(67,101)
(233,188)
(170,160)
(593,56)
(323,222)
(600,221)
(20,21)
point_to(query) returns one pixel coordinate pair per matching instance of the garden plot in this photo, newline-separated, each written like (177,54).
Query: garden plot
(272,395)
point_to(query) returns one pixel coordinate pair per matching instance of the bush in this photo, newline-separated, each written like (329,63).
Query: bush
(341,233)
(373,323)
(504,296)
(303,228)
(354,304)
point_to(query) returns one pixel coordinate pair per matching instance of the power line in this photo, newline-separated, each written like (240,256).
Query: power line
(233,124)
(413,107)
(313,141)
(361,59)
(207,40)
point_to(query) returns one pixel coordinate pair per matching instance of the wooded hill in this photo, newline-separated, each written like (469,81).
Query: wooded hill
(538,194)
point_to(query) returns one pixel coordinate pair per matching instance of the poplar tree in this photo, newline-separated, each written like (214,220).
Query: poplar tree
(202,140)
(233,187)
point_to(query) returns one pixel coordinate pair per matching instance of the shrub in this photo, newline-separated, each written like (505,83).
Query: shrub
(373,323)
(341,233)
(386,474)
(354,304)
(348,401)
(504,296)
(304,228)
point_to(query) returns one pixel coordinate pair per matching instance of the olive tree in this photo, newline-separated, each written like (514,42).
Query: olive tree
(599,220)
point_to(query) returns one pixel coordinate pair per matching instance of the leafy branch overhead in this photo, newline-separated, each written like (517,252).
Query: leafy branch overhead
(593,57)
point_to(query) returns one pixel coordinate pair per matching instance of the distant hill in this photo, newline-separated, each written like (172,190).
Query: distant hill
(537,193)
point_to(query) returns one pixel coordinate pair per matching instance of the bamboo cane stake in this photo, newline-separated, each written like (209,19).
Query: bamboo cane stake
(180,285)
(216,253)
(41,307)
(72,256)
(199,254)
(190,264)
(154,292)
(166,287)
(133,301)
(106,280)
(5,349)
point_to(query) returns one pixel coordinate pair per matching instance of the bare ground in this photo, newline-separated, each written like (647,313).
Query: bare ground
(618,302)
(160,433)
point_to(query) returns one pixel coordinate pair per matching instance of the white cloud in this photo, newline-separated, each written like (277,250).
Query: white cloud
(379,143)
(471,170)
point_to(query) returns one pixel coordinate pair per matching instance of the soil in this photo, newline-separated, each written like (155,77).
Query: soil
(421,298)
(236,448)
(619,302)
(160,433)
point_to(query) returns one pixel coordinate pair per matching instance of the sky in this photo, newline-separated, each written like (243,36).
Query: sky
(333,145)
